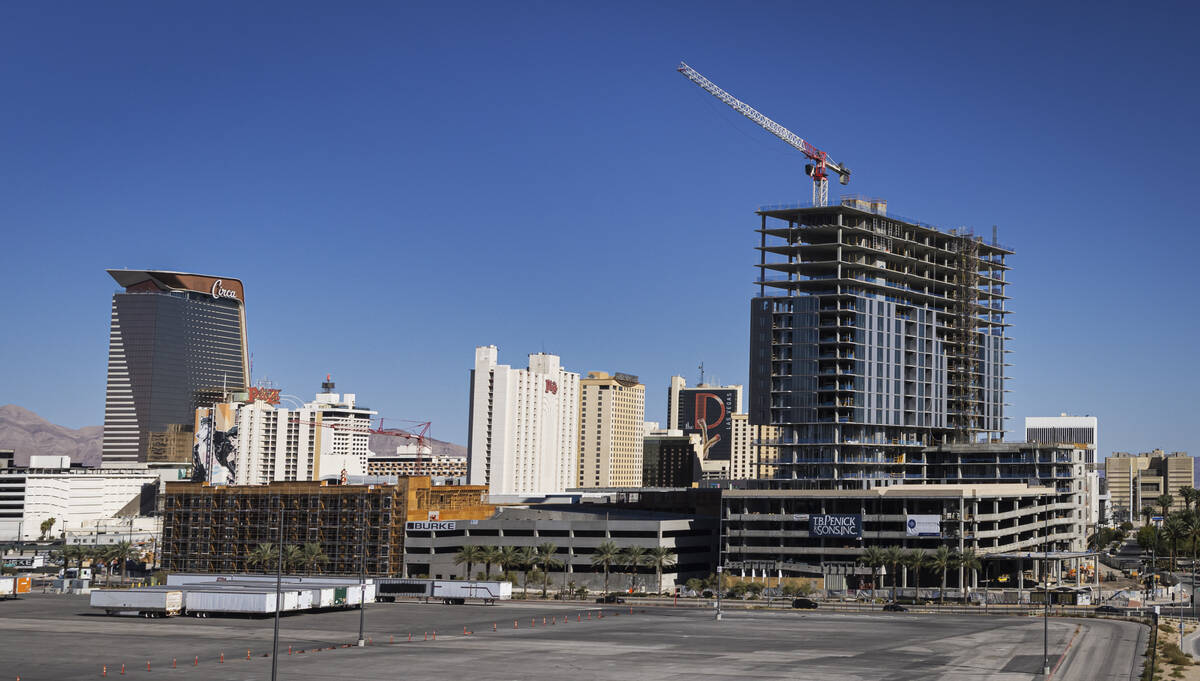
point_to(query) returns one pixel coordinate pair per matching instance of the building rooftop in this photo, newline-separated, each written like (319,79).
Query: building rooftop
(900,492)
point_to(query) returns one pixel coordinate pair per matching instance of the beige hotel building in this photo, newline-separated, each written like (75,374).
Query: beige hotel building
(612,411)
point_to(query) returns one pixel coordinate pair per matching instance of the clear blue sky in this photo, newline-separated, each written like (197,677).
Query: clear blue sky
(397,184)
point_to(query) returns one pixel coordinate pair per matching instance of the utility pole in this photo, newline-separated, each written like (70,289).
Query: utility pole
(278,596)
(720,551)
(1046,596)
(362,585)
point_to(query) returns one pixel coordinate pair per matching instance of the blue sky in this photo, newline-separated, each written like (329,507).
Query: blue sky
(398,183)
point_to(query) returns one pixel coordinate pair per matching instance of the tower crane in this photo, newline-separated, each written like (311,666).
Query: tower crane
(820,160)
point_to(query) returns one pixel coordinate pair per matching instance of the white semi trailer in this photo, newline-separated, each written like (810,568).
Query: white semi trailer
(456,592)
(134,602)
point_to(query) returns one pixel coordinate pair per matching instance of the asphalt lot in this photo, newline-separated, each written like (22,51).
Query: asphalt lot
(57,638)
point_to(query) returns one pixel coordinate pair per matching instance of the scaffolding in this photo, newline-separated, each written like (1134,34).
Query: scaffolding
(216,529)
(964,345)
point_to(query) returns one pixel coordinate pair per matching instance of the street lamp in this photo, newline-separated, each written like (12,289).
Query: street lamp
(362,586)
(1046,597)
(720,550)
(278,596)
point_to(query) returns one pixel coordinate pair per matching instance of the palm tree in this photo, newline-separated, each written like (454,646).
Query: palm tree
(525,559)
(893,556)
(632,557)
(47,525)
(470,555)
(660,557)
(1146,512)
(261,556)
(1173,530)
(1164,502)
(942,561)
(969,560)
(313,557)
(916,559)
(509,558)
(293,558)
(488,555)
(121,552)
(69,553)
(1189,494)
(546,559)
(1192,522)
(873,557)
(605,555)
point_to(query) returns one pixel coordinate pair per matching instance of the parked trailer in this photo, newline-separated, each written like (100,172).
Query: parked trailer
(201,602)
(456,592)
(13,586)
(143,602)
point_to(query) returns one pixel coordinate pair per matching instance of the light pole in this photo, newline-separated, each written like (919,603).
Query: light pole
(278,596)
(362,587)
(720,551)
(1046,597)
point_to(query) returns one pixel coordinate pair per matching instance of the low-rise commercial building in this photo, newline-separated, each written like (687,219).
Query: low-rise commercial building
(814,533)
(73,496)
(575,530)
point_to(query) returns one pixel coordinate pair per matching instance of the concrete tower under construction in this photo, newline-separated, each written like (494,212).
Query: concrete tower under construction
(873,337)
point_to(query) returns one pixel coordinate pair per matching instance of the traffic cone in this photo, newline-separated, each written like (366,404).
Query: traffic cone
(147,665)
(493,626)
(122,669)
(222,656)
(196,662)
(104,670)
(172,663)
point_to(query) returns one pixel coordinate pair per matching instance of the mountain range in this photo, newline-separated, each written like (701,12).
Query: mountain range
(29,434)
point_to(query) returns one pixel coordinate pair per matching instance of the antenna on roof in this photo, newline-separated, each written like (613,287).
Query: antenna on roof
(327,386)
(701,367)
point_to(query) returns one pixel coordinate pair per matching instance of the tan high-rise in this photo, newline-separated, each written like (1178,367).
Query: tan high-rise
(612,412)
(1136,482)
(747,452)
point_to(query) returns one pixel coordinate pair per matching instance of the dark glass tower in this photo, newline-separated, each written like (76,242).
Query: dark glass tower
(177,342)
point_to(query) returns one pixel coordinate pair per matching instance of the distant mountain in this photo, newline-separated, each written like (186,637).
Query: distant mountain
(386,444)
(28,434)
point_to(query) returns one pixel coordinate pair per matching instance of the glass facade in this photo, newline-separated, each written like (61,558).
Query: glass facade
(170,352)
(872,338)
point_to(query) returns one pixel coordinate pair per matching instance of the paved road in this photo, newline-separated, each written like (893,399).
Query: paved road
(50,638)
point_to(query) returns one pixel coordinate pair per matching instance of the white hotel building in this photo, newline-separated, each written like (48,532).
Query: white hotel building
(524,425)
(318,441)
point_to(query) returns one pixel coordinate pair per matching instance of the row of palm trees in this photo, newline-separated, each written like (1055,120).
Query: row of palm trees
(308,558)
(542,560)
(1179,527)
(107,554)
(941,561)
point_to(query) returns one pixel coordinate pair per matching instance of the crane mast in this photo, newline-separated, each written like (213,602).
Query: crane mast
(820,160)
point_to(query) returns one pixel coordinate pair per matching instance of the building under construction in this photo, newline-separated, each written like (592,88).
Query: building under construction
(215,528)
(873,337)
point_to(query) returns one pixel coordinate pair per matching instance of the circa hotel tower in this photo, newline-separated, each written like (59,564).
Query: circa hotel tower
(177,342)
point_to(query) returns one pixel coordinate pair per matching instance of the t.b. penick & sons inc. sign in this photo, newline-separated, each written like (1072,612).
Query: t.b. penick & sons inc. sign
(835,525)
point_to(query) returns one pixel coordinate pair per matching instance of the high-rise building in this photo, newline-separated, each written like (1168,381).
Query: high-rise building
(524,428)
(177,342)
(1135,482)
(1063,429)
(670,458)
(707,411)
(612,417)
(256,443)
(1082,432)
(872,337)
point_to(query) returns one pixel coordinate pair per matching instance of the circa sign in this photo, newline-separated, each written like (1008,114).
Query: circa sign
(835,525)
(219,291)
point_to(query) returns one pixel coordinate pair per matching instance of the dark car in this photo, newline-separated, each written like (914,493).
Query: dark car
(894,607)
(1108,610)
(610,598)
(806,603)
